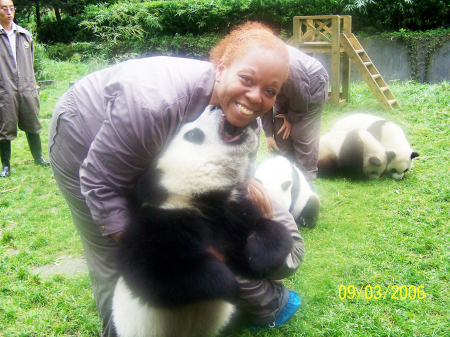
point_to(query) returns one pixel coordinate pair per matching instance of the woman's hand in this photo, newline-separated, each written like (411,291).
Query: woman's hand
(271,144)
(286,127)
(117,236)
(221,257)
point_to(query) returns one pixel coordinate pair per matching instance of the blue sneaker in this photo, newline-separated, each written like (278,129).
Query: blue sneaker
(290,308)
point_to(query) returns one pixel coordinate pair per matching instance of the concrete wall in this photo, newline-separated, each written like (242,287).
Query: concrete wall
(392,60)
(440,64)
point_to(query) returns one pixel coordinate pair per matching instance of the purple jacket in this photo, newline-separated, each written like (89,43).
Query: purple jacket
(294,99)
(129,112)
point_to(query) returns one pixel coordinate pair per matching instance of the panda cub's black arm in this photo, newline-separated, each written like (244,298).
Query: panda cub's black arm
(253,245)
(164,259)
(268,247)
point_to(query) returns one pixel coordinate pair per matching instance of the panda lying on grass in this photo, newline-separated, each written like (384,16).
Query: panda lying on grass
(172,284)
(389,134)
(353,153)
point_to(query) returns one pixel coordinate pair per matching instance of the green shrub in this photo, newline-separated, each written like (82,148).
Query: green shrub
(138,21)
(39,55)
(190,27)
(63,31)
(185,28)
(388,15)
(191,46)
(60,51)
(141,20)
(83,50)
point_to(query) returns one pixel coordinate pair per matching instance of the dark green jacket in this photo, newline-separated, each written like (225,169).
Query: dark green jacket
(19,101)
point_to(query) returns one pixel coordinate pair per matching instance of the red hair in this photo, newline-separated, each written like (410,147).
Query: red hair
(245,37)
(258,194)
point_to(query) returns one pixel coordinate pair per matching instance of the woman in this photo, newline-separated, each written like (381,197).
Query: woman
(294,126)
(107,128)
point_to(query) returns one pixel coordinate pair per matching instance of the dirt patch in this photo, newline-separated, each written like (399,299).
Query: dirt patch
(63,265)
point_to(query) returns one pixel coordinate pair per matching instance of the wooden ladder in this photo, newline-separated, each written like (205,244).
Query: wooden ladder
(368,71)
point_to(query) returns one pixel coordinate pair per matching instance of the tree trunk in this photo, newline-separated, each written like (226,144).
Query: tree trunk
(38,14)
(57,14)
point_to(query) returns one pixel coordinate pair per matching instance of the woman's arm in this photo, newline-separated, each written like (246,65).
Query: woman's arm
(122,150)
(274,210)
(295,258)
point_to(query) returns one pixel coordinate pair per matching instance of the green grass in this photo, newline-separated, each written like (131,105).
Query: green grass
(372,233)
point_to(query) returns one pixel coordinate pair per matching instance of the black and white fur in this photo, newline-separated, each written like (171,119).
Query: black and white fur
(171,283)
(389,134)
(288,185)
(353,153)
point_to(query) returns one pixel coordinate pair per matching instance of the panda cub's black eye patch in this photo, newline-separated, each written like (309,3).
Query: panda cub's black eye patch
(393,171)
(195,136)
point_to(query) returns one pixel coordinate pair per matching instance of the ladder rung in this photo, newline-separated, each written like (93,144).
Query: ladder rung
(351,45)
(392,101)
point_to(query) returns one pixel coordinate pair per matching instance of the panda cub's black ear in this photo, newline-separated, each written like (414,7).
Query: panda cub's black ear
(375,161)
(414,155)
(390,155)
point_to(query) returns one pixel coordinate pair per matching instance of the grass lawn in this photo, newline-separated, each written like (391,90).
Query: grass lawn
(377,264)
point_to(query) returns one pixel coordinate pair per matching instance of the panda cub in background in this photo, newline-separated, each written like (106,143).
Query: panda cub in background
(389,134)
(288,185)
(355,153)
(189,210)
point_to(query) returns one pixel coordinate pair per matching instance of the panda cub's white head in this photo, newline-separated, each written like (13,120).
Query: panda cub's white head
(200,159)
(289,188)
(394,140)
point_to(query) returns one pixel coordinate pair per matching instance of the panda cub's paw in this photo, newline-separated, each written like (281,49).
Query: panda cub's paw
(267,247)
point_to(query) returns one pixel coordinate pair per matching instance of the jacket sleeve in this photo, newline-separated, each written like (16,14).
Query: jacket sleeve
(295,258)
(298,95)
(123,148)
(267,123)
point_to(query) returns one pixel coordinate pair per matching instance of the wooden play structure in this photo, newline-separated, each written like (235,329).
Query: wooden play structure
(333,34)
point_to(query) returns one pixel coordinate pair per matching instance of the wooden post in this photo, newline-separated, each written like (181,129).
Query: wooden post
(335,60)
(346,61)
(296,35)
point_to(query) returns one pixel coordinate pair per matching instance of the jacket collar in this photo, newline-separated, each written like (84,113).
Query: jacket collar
(21,30)
(14,26)
(3,30)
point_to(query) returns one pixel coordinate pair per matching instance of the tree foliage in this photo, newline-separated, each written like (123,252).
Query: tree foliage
(133,26)
(393,15)
(36,8)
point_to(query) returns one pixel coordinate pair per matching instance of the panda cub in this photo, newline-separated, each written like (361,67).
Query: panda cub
(288,185)
(389,134)
(189,213)
(354,153)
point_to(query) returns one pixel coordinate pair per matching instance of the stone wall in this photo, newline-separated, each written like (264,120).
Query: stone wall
(393,61)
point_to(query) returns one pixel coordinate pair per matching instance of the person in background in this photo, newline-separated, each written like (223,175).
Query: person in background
(294,126)
(109,126)
(19,101)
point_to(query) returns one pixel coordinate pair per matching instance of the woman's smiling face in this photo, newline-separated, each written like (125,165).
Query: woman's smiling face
(248,87)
